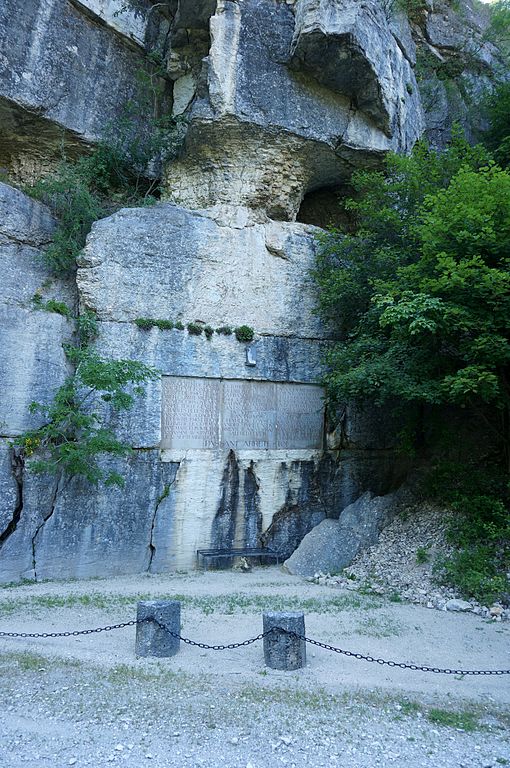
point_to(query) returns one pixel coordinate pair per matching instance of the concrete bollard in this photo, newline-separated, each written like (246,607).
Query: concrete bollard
(151,639)
(282,651)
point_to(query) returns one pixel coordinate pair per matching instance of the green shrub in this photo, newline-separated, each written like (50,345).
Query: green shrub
(422,556)
(73,437)
(208,330)
(224,330)
(194,329)
(146,323)
(244,333)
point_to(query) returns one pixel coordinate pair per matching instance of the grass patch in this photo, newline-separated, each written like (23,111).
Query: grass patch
(320,700)
(226,604)
(464,721)
(378,626)
(26,661)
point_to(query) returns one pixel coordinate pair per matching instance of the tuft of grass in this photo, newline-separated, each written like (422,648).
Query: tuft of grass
(244,333)
(464,721)
(146,323)
(52,305)
(380,626)
(422,555)
(408,707)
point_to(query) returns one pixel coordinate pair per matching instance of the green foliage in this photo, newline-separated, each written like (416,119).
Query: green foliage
(76,207)
(224,330)
(124,169)
(420,294)
(464,721)
(480,527)
(146,323)
(72,436)
(244,333)
(498,31)
(179,326)
(422,555)
(52,305)
(497,138)
(420,299)
(208,330)
(194,329)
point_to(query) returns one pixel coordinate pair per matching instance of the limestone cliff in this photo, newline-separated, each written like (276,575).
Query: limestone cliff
(283,100)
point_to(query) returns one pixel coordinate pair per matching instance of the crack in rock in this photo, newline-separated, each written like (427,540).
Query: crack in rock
(152,547)
(17,464)
(58,488)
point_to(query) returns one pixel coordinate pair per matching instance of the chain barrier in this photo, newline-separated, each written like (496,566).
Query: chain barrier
(261,636)
(108,628)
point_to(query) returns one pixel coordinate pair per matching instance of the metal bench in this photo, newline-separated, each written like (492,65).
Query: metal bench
(206,555)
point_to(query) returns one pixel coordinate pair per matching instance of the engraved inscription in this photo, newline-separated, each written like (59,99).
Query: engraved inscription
(299,420)
(242,415)
(190,413)
(248,414)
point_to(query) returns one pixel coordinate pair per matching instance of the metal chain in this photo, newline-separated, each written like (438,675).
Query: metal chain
(233,646)
(399,664)
(205,646)
(108,628)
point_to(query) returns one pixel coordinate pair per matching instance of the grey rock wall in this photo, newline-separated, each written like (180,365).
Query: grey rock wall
(65,75)
(170,263)
(32,362)
(457,66)
(282,99)
(268,124)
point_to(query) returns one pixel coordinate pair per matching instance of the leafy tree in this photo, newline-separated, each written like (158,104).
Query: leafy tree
(73,435)
(421,293)
(497,137)
(420,299)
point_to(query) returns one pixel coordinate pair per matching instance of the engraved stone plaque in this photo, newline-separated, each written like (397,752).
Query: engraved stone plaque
(242,415)
(190,412)
(248,415)
(300,416)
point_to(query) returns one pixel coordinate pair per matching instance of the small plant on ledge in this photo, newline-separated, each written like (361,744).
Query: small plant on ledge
(244,333)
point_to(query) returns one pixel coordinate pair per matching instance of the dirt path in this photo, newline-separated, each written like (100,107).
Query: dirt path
(88,701)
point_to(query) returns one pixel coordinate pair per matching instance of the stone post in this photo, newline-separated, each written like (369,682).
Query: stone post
(151,638)
(283,651)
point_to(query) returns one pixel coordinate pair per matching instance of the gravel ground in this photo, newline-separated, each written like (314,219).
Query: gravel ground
(88,701)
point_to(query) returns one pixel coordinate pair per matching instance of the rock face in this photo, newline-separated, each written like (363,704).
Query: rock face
(66,72)
(283,100)
(170,263)
(340,45)
(32,361)
(268,124)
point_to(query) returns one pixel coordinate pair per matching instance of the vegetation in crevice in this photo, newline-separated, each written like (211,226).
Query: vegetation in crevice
(243,333)
(73,437)
(123,169)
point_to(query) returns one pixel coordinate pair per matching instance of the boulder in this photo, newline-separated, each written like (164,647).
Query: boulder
(333,544)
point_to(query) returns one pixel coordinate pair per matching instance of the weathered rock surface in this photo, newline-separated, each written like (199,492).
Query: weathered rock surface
(333,544)
(8,489)
(340,45)
(283,100)
(32,362)
(169,263)
(262,134)
(456,67)
(64,77)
